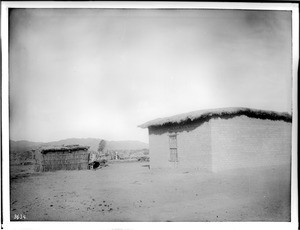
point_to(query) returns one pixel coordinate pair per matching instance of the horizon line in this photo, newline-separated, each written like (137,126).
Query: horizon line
(75,138)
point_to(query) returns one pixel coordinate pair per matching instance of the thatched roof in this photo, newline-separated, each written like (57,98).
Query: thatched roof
(218,113)
(67,148)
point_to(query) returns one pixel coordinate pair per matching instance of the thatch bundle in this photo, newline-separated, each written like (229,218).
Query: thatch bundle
(68,148)
(224,113)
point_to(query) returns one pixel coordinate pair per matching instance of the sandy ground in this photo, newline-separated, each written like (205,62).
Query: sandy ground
(130,192)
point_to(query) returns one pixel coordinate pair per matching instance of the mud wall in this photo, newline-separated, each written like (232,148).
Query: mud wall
(193,146)
(243,142)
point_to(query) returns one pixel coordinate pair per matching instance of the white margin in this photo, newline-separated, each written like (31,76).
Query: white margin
(295,68)
(5,115)
(146,225)
(147,5)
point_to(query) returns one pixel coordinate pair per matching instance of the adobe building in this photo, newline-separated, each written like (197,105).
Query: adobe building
(220,139)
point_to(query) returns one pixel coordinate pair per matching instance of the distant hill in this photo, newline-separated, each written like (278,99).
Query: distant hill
(20,146)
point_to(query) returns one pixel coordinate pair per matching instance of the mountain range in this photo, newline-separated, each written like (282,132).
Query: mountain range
(20,146)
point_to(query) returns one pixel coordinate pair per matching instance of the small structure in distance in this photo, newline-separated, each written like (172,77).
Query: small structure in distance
(69,157)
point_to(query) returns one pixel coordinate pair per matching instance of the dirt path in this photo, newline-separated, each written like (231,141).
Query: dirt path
(130,192)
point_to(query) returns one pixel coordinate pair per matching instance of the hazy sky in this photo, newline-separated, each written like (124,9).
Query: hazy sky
(100,73)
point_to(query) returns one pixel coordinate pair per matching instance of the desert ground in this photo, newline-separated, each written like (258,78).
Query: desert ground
(132,192)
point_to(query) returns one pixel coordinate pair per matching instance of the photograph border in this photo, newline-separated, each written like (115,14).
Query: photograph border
(5,195)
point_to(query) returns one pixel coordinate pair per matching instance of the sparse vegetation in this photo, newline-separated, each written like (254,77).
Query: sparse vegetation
(102,145)
(144,158)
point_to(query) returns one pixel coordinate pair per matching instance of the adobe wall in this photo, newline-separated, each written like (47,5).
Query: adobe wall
(193,146)
(243,142)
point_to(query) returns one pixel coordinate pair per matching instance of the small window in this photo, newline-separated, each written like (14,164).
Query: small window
(173,148)
(173,155)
